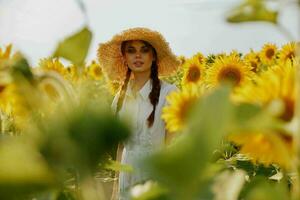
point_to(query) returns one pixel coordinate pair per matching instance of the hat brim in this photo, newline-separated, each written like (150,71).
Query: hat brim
(110,55)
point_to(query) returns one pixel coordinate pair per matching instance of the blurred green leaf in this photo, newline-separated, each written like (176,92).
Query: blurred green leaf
(244,112)
(249,117)
(20,67)
(252,10)
(82,138)
(117,166)
(65,196)
(262,188)
(75,47)
(181,165)
(22,170)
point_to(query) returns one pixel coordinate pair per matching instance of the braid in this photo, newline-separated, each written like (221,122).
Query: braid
(154,94)
(123,90)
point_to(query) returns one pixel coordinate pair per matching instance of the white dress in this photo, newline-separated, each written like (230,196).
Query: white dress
(143,140)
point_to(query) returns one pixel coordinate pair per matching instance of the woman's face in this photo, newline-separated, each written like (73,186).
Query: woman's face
(138,56)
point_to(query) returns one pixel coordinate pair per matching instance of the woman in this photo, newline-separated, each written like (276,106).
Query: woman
(138,57)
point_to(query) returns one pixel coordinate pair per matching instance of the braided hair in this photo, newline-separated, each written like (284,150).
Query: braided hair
(155,82)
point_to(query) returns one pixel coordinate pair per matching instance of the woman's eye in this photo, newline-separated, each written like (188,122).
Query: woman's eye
(145,50)
(130,51)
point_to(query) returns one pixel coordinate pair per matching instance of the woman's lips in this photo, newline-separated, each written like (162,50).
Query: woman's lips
(138,63)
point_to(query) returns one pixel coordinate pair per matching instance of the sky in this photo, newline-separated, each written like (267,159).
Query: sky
(190,26)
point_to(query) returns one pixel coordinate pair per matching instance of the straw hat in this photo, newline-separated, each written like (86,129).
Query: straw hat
(110,55)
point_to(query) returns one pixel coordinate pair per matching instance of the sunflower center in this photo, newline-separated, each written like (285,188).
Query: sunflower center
(288,113)
(230,74)
(97,71)
(270,53)
(185,108)
(290,55)
(2,87)
(193,74)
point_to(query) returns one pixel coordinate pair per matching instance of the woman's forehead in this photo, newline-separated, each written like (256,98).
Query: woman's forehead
(137,43)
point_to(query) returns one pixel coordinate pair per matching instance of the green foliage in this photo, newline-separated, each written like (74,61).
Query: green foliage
(252,10)
(20,68)
(183,165)
(22,171)
(75,47)
(256,170)
(261,188)
(82,139)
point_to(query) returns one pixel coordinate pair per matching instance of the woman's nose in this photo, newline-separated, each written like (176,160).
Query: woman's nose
(138,55)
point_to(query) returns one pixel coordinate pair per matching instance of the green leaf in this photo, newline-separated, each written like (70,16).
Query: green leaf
(252,10)
(22,171)
(81,138)
(20,67)
(182,165)
(75,47)
(249,117)
(262,188)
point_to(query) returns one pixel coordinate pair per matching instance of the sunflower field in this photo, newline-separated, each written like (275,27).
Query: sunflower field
(235,121)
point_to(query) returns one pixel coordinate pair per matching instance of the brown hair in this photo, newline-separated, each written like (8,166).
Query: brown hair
(155,82)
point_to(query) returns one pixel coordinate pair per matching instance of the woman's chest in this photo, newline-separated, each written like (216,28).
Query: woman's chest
(137,111)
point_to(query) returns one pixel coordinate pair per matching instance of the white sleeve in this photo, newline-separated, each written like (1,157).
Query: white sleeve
(170,89)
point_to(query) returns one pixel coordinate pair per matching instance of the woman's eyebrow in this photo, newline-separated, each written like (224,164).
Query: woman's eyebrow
(132,47)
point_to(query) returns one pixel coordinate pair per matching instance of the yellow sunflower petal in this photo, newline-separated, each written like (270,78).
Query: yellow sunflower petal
(179,104)
(275,84)
(266,148)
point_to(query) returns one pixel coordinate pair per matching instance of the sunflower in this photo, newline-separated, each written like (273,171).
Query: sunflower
(193,71)
(266,148)
(287,52)
(252,59)
(55,65)
(228,69)
(113,86)
(268,53)
(179,104)
(276,84)
(95,70)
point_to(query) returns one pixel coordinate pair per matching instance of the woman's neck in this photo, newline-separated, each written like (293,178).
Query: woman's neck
(139,80)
